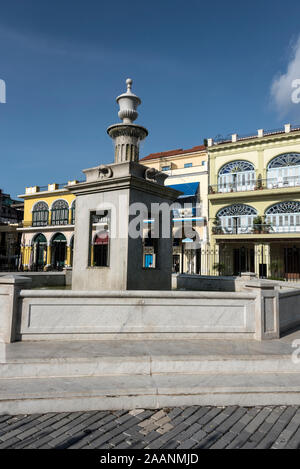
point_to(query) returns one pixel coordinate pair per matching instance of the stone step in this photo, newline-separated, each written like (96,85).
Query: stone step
(117,366)
(75,359)
(40,395)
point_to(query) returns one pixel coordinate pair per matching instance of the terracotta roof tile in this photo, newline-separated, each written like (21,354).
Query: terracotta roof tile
(179,151)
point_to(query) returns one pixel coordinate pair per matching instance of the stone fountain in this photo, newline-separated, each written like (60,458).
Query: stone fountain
(108,253)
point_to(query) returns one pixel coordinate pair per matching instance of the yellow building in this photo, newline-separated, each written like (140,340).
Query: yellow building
(254,204)
(187,172)
(48,227)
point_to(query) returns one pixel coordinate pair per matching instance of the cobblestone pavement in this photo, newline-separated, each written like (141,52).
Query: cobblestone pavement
(180,428)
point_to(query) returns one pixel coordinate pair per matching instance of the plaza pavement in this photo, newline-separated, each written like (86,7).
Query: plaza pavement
(177,428)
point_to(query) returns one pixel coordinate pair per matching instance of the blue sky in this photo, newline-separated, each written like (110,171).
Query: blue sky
(200,68)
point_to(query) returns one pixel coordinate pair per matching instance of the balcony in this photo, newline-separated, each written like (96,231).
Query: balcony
(259,184)
(262,229)
(45,224)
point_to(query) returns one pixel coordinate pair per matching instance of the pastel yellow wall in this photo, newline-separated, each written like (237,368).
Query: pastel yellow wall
(260,204)
(259,151)
(48,197)
(177,162)
(259,154)
(196,173)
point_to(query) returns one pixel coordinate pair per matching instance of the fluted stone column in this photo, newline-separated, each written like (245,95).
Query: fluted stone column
(127,136)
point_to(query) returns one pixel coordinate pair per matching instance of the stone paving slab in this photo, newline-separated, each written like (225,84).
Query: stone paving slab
(26,352)
(192,427)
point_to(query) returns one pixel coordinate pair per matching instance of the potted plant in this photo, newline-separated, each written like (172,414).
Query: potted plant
(220,267)
(257,224)
(217,227)
(276,268)
(266,227)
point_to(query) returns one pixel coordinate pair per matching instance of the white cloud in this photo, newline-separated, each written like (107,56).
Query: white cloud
(285,89)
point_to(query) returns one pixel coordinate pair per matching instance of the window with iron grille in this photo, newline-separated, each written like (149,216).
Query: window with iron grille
(60,213)
(40,214)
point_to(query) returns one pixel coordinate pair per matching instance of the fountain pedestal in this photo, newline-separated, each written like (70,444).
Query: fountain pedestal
(123,239)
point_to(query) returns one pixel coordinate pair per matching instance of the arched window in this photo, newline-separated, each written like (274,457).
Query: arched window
(284,170)
(235,176)
(237,218)
(284,217)
(73,206)
(60,213)
(39,252)
(40,214)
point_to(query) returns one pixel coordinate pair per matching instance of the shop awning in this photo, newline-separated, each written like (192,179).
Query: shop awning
(189,189)
(187,240)
(101,238)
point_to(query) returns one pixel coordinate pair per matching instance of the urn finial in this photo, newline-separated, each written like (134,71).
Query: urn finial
(129,84)
(127,135)
(128,103)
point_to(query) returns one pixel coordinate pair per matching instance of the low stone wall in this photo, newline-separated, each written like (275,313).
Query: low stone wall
(42,279)
(42,314)
(289,307)
(203,283)
(49,315)
(223,283)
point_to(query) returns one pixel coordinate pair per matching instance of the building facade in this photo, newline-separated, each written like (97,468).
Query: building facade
(47,233)
(11,215)
(254,204)
(187,172)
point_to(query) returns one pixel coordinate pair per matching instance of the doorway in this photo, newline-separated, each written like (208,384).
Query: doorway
(243,260)
(58,251)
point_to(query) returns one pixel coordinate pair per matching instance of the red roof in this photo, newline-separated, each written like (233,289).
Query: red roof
(179,151)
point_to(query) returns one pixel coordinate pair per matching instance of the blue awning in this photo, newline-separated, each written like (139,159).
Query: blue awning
(189,189)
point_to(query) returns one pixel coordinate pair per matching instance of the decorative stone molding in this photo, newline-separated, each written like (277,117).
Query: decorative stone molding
(153,175)
(105,172)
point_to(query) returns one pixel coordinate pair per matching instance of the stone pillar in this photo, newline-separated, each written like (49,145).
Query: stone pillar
(48,255)
(68,259)
(10,286)
(257,257)
(214,259)
(267,257)
(27,255)
(266,309)
(204,259)
(262,257)
(70,216)
(260,167)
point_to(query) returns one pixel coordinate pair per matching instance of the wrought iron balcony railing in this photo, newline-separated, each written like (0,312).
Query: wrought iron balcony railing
(259,184)
(42,223)
(264,228)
